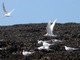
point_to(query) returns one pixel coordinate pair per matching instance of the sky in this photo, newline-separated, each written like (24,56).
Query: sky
(40,11)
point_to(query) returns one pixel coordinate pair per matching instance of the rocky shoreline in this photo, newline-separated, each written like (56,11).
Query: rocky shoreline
(13,39)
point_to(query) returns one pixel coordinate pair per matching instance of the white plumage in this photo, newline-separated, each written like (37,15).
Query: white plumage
(27,53)
(49,28)
(6,13)
(44,43)
(56,41)
(47,48)
(40,41)
(70,48)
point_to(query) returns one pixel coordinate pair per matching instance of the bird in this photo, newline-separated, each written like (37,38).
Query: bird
(49,28)
(6,13)
(40,41)
(27,53)
(3,48)
(70,48)
(49,48)
(56,41)
(44,48)
(44,43)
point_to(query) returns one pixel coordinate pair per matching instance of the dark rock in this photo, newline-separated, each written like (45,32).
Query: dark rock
(16,37)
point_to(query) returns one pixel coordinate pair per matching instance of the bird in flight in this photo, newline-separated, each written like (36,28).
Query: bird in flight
(6,13)
(49,29)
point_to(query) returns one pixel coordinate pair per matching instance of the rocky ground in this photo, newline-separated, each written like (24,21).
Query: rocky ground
(13,39)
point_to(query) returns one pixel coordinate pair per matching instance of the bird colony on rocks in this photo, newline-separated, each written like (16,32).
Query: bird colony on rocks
(35,42)
(38,42)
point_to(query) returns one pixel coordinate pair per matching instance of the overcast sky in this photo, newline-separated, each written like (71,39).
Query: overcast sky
(40,11)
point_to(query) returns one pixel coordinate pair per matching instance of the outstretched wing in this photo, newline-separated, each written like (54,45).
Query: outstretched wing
(49,24)
(4,9)
(11,11)
(48,27)
(53,24)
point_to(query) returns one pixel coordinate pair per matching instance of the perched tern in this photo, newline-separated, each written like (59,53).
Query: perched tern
(44,43)
(49,29)
(27,53)
(40,41)
(6,13)
(56,41)
(44,48)
(3,48)
(70,48)
(49,47)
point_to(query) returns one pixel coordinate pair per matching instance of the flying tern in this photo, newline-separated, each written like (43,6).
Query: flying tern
(6,13)
(49,28)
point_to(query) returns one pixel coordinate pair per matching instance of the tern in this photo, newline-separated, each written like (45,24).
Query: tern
(3,48)
(49,47)
(44,43)
(27,53)
(40,41)
(70,48)
(6,13)
(44,48)
(49,28)
(56,41)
